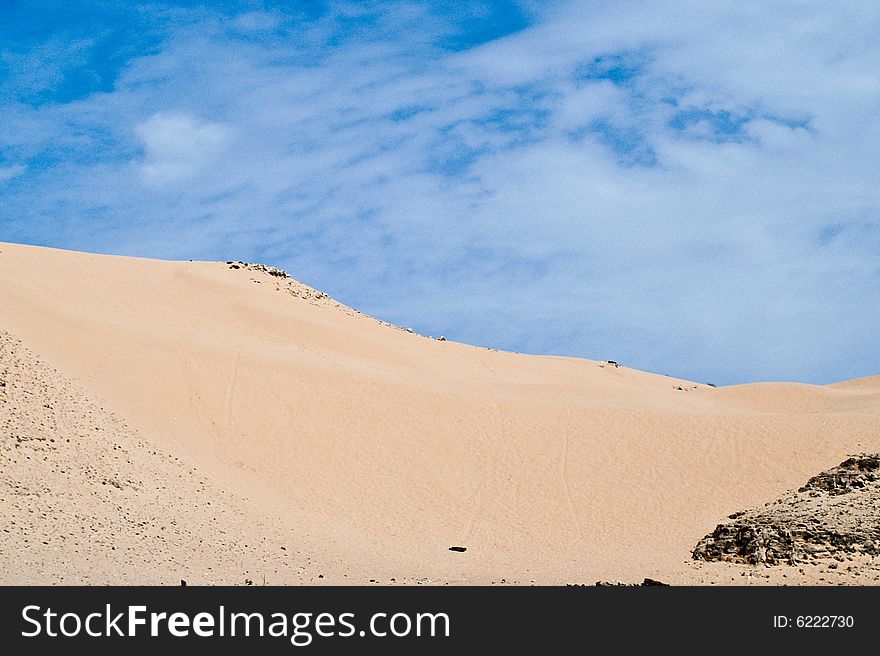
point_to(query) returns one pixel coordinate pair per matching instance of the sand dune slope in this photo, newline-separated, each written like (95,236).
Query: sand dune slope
(378,449)
(85,499)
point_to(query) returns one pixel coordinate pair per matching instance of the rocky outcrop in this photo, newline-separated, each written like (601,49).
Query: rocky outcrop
(852,474)
(836,513)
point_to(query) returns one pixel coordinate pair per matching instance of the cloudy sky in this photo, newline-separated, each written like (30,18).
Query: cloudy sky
(690,188)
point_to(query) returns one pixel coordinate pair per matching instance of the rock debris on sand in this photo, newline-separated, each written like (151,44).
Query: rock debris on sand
(84,499)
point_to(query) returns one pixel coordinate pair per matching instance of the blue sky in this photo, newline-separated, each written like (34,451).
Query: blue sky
(689,188)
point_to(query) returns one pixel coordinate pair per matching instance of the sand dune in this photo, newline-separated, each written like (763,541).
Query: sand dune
(369,450)
(85,499)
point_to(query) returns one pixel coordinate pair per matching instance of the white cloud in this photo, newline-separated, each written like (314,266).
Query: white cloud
(177,146)
(255,22)
(11,171)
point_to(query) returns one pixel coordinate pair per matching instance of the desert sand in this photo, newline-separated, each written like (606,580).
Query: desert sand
(220,423)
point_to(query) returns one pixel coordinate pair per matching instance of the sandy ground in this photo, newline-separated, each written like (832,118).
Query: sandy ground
(364,450)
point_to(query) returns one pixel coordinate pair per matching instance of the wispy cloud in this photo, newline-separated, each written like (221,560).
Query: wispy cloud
(11,171)
(178,146)
(688,189)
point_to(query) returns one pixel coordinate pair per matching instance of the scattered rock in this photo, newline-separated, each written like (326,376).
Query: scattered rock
(272,271)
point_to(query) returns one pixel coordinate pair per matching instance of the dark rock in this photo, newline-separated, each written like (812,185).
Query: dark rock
(836,512)
(853,473)
(458,549)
